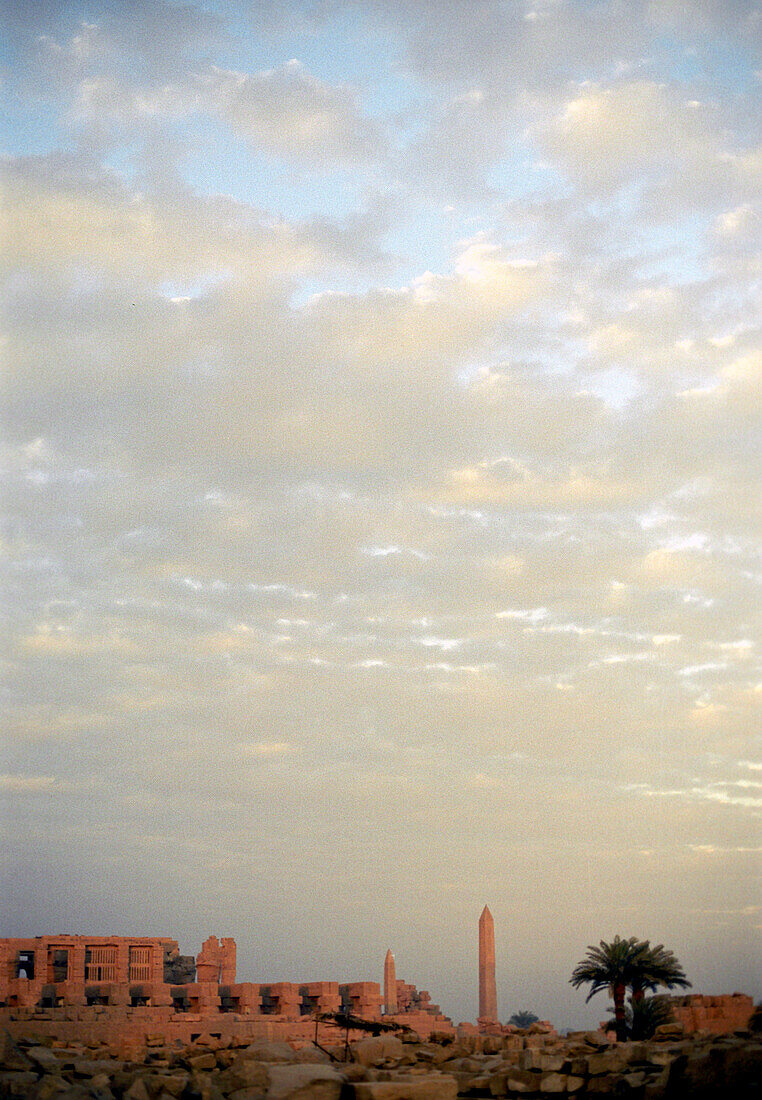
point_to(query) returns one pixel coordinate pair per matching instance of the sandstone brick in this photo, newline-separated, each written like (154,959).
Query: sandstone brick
(304,1080)
(16,1082)
(433,1087)
(656,1087)
(634,1081)
(608,1061)
(251,1092)
(42,1056)
(173,1083)
(743,1061)
(523,1080)
(244,1074)
(551,1063)
(137,1090)
(604,1085)
(11,1058)
(269,1052)
(50,1087)
(202,1061)
(368,1052)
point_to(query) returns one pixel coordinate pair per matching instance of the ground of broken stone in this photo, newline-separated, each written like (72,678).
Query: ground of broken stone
(388,1068)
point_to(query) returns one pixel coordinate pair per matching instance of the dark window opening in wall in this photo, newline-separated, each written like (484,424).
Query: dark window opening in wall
(58,964)
(26,965)
(228,1002)
(180,1000)
(100,963)
(140,964)
(95,996)
(48,997)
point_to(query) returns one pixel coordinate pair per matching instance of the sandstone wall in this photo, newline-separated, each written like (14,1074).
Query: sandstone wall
(720,1014)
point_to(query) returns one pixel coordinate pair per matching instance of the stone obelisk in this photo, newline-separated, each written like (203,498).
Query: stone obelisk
(487,986)
(390,984)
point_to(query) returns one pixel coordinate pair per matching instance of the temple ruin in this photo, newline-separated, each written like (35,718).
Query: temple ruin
(136,986)
(127,991)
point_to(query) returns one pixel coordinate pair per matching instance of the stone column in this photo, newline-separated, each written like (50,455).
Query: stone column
(390,984)
(487,987)
(227,961)
(122,961)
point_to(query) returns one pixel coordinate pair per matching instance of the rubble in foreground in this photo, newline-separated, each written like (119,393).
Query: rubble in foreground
(671,1066)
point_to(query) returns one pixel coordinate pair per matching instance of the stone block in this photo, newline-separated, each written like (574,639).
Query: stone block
(667,1032)
(529,1058)
(604,1085)
(369,1052)
(497,1084)
(523,1080)
(608,1061)
(551,1084)
(173,1083)
(243,1075)
(268,1052)
(50,1087)
(551,1063)
(137,1090)
(743,1063)
(11,1058)
(312,1054)
(251,1092)
(634,1081)
(202,1061)
(433,1087)
(42,1057)
(289,1082)
(656,1087)
(17,1082)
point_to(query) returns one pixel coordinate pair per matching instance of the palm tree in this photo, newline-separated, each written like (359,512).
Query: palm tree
(523,1019)
(647,1014)
(611,966)
(629,963)
(644,1016)
(660,967)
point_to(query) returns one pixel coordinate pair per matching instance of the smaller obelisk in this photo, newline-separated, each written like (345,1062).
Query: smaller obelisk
(390,984)
(487,986)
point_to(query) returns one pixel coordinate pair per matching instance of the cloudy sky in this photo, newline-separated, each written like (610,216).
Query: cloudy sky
(380,471)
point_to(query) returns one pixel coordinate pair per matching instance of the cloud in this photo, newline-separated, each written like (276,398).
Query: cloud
(605,134)
(289,113)
(269,748)
(27,784)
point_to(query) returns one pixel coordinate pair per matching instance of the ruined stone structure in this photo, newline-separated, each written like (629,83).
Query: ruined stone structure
(487,985)
(49,971)
(720,1015)
(109,987)
(410,999)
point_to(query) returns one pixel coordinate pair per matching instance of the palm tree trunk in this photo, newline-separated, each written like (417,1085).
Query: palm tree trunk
(620,989)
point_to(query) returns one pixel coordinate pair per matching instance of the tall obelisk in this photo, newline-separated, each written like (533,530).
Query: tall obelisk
(390,984)
(487,986)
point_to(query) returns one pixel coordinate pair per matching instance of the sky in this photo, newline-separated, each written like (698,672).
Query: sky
(380,472)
